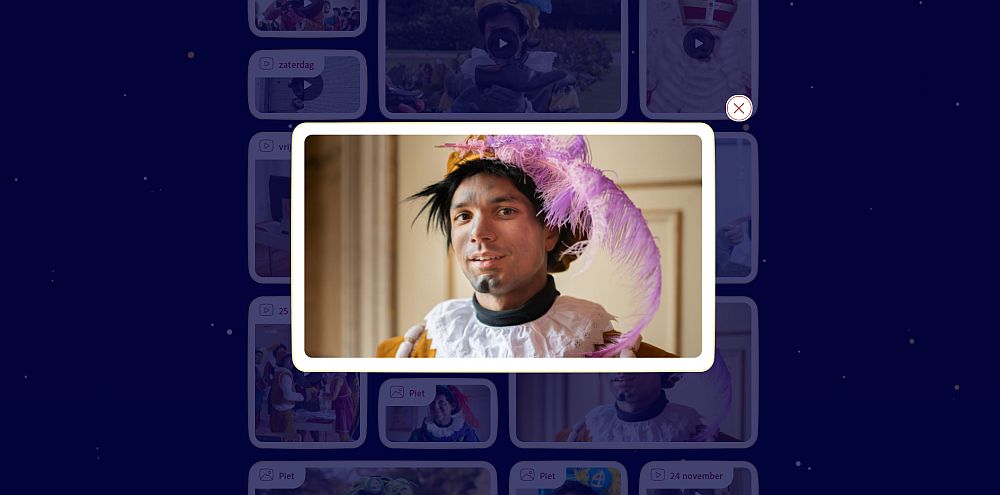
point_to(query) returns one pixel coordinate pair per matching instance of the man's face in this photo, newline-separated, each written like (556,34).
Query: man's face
(505,20)
(280,354)
(500,245)
(440,411)
(634,387)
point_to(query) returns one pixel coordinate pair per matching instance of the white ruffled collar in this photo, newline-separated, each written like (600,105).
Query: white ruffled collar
(444,431)
(538,61)
(571,327)
(676,423)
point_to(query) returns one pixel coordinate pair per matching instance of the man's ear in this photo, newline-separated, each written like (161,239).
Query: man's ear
(551,238)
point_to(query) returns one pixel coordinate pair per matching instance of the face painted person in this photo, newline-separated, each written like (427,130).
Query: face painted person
(642,412)
(514,209)
(449,418)
(508,76)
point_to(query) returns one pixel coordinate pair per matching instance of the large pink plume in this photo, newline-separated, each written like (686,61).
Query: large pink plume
(577,195)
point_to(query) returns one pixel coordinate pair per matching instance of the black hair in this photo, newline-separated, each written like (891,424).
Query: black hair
(448,395)
(668,380)
(281,362)
(499,8)
(275,351)
(573,487)
(439,195)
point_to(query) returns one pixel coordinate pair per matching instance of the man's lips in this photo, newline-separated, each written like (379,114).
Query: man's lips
(484,256)
(486,260)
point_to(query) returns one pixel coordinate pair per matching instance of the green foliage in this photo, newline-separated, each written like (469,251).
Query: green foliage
(580,52)
(431,25)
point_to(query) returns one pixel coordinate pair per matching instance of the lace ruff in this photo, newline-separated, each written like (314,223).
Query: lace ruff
(676,423)
(570,328)
(444,431)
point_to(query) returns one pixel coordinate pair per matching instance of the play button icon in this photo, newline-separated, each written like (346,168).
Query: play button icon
(503,44)
(699,43)
(307,89)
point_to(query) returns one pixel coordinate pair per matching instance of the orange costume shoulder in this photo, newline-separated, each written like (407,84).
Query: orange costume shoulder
(421,348)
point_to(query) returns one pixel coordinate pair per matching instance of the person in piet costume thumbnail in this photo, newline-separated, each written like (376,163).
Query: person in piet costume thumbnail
(508,76)
(449,418)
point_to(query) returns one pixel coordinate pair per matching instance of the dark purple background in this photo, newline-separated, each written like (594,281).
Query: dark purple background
(125,196)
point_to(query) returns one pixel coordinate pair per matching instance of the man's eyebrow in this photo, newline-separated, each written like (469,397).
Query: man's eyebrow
(509,198)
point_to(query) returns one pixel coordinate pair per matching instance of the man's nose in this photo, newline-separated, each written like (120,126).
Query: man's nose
(482,230)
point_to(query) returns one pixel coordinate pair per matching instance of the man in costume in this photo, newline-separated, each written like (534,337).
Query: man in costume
(282,399)
(697,57)
(508,77)
(449,418)
(642,413)
(343,391)
(514,209)
(727,239)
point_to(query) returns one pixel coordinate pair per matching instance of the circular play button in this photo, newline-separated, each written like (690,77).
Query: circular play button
(699,43)
(307,88)
(503,44)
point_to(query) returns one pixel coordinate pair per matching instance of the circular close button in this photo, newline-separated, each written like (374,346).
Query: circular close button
(739,108)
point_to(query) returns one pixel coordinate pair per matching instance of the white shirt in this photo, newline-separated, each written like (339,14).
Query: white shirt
(571,327)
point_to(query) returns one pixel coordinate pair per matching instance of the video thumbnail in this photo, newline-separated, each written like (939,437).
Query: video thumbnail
(308,18)
(698,478)
(713,409)
(529,59)
(568,478)
(373,478)
(438,413)
(301,84)
(694,55)
(736,196)
(291,408)
(269,207)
